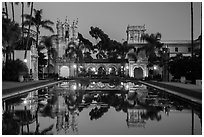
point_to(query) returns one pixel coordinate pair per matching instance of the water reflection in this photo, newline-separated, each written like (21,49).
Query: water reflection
(57,109)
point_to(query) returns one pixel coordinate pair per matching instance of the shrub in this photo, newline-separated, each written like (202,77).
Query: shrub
(13,69)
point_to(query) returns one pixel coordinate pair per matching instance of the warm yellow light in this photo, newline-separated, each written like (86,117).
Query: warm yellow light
(127,87)
(155,67)
(74,87)
(25,102)
(25,60)
(93,69)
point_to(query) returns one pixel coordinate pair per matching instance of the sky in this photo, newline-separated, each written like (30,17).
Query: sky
(171,19)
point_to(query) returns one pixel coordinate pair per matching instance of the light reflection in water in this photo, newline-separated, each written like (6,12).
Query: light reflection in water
(99,108)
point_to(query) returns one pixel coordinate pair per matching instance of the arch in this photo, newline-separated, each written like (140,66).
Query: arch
(89,67)
(91,70)
(112,69)
(102,70)
(64,71)
(138,73)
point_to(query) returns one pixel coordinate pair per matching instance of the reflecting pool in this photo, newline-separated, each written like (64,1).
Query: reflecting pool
(100,108)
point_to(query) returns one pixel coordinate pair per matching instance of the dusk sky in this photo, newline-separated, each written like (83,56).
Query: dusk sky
(171,19)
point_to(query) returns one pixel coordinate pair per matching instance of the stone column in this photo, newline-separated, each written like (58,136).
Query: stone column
(34,61)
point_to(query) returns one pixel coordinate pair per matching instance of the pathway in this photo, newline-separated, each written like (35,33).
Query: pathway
(14,88)
(187,91)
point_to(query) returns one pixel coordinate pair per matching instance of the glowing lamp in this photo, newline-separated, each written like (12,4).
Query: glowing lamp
(74,87)
(74,65)
(155,67)
(25,60)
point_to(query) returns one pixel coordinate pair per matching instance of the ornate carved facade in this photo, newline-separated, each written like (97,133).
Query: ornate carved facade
(134,37)
(67,33)
(134,34)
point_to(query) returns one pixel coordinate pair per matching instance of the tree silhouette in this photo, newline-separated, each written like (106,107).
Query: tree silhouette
(47,41)
(10,35)
(153,45)
(38,22)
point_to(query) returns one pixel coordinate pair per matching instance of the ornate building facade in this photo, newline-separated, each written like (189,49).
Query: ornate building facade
(67,34)
(134,34)
(137,69)
(32,60)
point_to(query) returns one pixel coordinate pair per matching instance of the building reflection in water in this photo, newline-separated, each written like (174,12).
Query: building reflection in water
(67,108)
(65,102)
(21,112)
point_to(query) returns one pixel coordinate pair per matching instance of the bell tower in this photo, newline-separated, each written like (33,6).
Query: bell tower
(134,34)
(66,32)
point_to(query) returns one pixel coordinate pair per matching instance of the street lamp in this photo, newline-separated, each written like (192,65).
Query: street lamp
(126,70)
(74,66)
(155,67)
(25,60)
(165,65)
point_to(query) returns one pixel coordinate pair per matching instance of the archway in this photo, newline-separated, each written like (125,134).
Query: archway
(112,70)
(64,71)
(138,73)
(102,71)
(91,70)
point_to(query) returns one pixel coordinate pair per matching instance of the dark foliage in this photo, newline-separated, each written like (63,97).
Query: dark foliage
(12,70)
(189,67)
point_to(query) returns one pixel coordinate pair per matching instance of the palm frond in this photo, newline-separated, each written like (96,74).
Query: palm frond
(47,22)
(27,22)
(48,28)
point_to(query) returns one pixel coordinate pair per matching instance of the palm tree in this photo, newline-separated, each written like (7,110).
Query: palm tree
(10,35)
(6,8)
(38,23)
(153,51)
(28,35)
(22,17)
(74,52)
(22,10)
(47,41)
(12,7)
(153,46)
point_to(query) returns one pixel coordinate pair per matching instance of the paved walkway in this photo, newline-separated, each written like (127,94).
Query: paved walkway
(188,91)
(11,84)
(197,88)
(13,88)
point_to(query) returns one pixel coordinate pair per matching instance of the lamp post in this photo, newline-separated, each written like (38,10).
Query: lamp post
(127,70)
(165,65)
(75,67)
